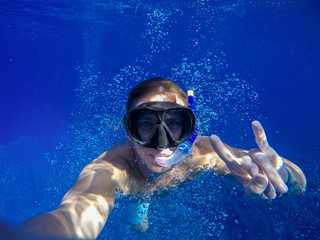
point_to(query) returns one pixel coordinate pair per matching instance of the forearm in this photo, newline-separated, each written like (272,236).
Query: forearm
(78,217)
(48,224)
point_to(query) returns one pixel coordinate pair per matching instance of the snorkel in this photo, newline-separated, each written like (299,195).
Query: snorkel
(184,148)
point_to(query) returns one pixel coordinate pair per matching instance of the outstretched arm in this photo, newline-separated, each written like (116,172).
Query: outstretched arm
(84,210)
(262,172)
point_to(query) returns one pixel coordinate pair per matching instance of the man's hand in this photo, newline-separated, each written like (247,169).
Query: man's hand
(260,171)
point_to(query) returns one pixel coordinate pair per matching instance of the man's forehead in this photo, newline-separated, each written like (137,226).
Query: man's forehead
(159,98)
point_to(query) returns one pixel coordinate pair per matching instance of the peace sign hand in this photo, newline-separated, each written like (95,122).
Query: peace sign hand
(260,171)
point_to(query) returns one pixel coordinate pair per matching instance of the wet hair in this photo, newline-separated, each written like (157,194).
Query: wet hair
(154,86)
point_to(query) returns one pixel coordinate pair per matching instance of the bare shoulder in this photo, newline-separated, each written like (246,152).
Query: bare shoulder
(204,157)
(202,146)
(114,159)
(120,160)
(118,155)
(110,171)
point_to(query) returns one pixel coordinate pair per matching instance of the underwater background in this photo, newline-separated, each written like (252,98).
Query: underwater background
(66,68)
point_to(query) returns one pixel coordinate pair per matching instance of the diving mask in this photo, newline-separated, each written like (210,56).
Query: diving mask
(160,125)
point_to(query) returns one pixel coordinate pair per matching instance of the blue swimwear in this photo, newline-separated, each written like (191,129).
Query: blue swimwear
(136,211)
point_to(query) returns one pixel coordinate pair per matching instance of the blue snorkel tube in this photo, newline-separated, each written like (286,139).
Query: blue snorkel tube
(184,148)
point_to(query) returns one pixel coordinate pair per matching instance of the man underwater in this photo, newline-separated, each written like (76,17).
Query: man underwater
(162,152)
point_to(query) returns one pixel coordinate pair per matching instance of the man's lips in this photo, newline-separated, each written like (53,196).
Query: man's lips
(162,156)
(165,154)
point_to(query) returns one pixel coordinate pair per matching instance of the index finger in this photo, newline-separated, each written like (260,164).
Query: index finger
(260,136)
(223,152)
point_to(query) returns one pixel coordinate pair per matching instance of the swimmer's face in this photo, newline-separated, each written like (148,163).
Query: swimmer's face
(146,122)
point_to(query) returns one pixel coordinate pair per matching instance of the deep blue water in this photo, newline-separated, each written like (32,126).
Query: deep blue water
(67,66)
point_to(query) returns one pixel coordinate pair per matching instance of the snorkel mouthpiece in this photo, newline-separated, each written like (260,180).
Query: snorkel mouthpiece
(184,148)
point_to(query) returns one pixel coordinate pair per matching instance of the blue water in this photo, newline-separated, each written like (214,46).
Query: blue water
(67,66)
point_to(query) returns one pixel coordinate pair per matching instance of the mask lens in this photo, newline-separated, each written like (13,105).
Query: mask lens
(146,120)
(173,119)
(145,123)
(181,120)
